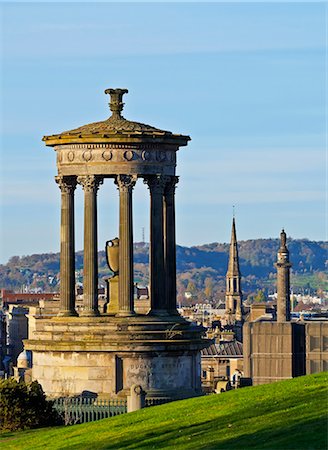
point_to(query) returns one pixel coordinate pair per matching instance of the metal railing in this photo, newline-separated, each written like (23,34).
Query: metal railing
(85,409)
(75,410)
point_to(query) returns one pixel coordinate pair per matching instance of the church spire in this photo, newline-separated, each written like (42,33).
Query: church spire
(233,291)
(233,266)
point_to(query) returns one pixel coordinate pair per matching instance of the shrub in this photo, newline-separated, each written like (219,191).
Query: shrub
(24,405)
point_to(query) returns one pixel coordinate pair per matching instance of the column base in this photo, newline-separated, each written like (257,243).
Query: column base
(125,314)
(89,313)
(159,312)
(67,313)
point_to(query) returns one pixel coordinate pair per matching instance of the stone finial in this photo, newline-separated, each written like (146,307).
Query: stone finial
(116,105)
(283,240)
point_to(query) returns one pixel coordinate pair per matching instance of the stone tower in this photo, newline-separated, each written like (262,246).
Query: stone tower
(283,284)
(234,307)
(88,350)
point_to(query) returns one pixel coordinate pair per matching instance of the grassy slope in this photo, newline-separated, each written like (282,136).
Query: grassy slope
(287,415)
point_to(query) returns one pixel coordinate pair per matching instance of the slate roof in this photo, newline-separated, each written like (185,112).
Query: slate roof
(226,349)
(116,126)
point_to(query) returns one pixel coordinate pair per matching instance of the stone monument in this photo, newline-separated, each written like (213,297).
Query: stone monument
(105,353)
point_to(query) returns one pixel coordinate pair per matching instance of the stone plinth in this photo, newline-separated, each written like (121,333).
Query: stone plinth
(107,355)
(112,285)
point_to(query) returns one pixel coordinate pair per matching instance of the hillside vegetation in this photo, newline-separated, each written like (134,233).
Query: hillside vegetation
(286,415)
(200,269)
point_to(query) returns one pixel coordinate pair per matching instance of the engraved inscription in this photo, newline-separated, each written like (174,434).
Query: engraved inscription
(158,372)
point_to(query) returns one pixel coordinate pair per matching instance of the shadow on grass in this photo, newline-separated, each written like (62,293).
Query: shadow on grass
(306,435)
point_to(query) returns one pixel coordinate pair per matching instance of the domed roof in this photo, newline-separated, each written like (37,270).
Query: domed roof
(114,126)
(24,359)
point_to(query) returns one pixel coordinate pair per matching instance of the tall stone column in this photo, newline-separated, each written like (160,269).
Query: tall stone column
(125,185)
(67,186)
(90,185)
(283,280)
(156,186)
(170,245)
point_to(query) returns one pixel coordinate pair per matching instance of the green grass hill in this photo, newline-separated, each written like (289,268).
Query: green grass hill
(286,415)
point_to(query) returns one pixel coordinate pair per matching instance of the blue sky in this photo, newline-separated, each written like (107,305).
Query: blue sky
(247,82)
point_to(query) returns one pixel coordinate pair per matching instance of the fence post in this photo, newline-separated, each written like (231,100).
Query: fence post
(137,398)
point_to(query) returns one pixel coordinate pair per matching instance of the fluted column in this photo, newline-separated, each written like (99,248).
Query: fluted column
(170,245)
(67,186)
(156,186)
(125,185)
(90,185)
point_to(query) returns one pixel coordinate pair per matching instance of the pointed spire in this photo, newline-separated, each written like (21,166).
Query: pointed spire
(233,292)
(233,266)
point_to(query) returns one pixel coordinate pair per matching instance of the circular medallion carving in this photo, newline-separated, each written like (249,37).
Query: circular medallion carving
(161,156)
(128,155)
(146,155)
(107,155)
(87,155)
(59,157)
(70,156)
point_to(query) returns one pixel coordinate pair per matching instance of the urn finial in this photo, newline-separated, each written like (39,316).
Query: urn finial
(116,105)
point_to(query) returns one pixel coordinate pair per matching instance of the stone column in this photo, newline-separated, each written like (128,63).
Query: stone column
(283,292)
(156,186)
(67,186)
(170,245)
(90,185)
(283,283)
(125,185)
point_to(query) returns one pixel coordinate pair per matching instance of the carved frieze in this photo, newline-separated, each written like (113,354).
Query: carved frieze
(115,153)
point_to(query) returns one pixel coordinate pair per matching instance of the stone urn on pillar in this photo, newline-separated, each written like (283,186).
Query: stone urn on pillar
(112,258)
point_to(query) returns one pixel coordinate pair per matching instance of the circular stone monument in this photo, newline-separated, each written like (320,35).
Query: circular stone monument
(108,353)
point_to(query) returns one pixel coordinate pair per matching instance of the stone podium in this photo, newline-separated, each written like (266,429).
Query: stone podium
(102,353)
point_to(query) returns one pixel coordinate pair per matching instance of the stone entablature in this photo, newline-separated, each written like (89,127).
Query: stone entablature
(113,159)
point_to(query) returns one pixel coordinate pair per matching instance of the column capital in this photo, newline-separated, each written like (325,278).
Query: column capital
(157,183)
(171,185)
(125,182)
(90,183)
(67,185)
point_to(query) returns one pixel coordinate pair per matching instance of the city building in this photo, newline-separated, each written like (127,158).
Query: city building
(283,348)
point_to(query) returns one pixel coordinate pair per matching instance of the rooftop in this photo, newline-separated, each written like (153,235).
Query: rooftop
(228,349)
(116,125)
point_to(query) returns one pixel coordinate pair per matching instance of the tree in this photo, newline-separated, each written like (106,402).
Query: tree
(191,287)
(208,287)
(259,297)
(24,405)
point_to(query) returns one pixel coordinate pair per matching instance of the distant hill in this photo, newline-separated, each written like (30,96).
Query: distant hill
(290,414)
(197,267)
